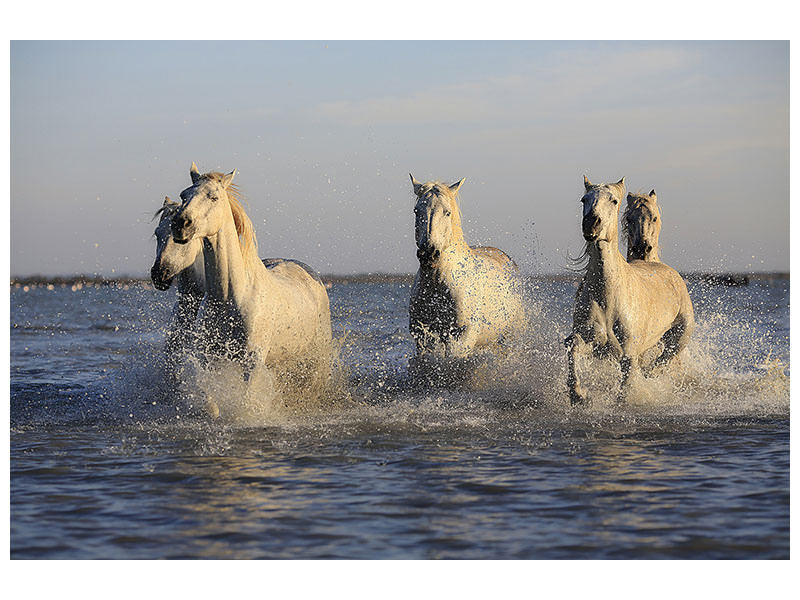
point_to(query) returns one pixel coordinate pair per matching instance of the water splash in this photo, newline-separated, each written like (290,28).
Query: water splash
(733,367)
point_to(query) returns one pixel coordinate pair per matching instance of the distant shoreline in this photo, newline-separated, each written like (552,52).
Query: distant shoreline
(80,281)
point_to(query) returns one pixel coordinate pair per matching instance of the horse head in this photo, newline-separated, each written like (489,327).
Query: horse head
(171,257)
(437,218)
(642,223)
(601,210)
(204,210)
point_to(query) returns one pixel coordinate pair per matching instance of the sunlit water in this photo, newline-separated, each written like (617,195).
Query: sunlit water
(110,460)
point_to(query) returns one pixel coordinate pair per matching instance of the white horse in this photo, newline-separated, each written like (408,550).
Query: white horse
(623,309)
(641,224)
(463,298)
(184,262)
(277,316)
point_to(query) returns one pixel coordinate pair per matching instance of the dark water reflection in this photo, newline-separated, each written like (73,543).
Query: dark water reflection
(239,494)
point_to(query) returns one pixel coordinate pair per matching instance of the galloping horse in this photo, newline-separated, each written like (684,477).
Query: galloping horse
(463,298)
(623,309)
(641,224)
(184,261)
(277,315)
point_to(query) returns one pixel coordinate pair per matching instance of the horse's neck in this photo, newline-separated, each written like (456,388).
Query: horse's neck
(457,240)
(606,267)
(225,272)
(452,258)
(629,254)
(192,280)
(191,288)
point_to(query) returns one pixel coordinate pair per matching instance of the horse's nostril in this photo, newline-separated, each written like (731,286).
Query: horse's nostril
(157,276)
(181,224)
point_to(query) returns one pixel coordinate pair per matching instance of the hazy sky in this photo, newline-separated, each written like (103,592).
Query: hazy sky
(324,134)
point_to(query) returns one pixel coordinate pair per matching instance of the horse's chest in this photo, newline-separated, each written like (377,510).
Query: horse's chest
(224,328)
(434,308)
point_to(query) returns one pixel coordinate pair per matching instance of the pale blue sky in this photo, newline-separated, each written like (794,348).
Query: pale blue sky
(324,135)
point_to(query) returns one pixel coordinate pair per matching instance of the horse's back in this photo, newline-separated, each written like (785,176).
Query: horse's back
(300,291)
(296,277)
(272,263)
(653,272)
(662,285)
(495,255)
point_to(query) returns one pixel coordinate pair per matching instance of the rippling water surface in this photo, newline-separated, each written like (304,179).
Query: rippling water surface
(108,461)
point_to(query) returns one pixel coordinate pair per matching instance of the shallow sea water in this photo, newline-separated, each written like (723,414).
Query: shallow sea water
(107,463)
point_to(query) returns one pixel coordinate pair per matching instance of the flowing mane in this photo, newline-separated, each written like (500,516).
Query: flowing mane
(166,212)
(455,209)
(243,224)
(579,264)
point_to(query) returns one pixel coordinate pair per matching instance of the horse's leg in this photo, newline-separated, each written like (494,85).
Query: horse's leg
(462,345)
(648,358)
(325,368)
(628,364)
(675,339)
(574,344)
(416,363)
(212,408)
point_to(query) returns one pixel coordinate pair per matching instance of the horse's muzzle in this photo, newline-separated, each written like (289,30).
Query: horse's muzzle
(640,250)
(590,228)
(182,229)
(160,281)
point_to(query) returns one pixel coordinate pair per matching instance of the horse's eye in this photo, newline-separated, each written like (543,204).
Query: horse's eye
(655,219)
(447,213)
(614,200)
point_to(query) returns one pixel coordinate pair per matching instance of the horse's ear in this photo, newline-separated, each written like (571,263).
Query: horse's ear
(168,202)
(620,186)
(653,194)
(417,185)
(194,173)
(630,198)
(586,183)
(457,185)
(228,179)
